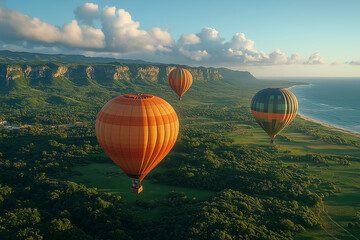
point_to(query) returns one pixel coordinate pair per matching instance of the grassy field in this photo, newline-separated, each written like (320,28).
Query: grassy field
(107,177)
(300,142)
(342,206)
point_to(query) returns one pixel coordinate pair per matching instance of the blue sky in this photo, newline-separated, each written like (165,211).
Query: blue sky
(267,37)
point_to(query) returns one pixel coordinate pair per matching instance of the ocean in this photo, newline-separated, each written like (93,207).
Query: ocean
(334,101)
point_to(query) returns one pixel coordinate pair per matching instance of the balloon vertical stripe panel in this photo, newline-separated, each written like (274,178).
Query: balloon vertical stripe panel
(137,132)
(180,80)
(274,109)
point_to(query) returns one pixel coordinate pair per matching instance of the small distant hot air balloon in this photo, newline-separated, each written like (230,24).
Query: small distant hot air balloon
(137,132)
(274,109)
(180,81)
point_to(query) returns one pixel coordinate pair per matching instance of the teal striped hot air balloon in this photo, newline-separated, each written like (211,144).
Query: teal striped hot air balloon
(274,109)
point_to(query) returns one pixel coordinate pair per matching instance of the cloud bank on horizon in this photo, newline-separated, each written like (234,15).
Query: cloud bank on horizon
(119,35)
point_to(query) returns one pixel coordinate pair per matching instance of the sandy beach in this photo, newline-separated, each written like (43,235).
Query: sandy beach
(297,85)
(331,126)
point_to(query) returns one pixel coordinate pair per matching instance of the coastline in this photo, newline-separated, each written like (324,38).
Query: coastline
(297,85)
(332,127)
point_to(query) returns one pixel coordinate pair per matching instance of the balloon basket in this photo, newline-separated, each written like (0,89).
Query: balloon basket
(136,190)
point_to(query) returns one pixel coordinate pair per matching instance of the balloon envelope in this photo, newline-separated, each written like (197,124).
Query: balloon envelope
(274,109)
(180,81)
(137,132)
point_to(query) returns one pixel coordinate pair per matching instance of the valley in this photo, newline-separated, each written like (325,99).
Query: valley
(222,180)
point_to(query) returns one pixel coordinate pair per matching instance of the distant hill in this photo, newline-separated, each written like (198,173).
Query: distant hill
(36,58)
(23,75)
(9,56)
(235,75)
(23,70)
(86,83)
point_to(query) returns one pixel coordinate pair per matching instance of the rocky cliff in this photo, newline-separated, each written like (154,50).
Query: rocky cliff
(100,73)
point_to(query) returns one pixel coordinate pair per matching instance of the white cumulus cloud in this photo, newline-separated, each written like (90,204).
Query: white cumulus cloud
(122,36)
(239,41)
(195,55)
(208,33)
(315,59)
(87,13)
(278,57)
(16,26)
(239,50)
(296,59)
(189,39)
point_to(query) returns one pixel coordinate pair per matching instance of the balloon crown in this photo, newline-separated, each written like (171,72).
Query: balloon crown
(138,96)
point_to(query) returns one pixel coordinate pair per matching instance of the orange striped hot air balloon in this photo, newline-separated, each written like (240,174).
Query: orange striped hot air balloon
(137,132)
(180,81)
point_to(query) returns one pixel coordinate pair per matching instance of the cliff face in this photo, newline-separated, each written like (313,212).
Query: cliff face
(61,71)
(205,74)
(122,73)
(101,73)
(10,72)
(36,72)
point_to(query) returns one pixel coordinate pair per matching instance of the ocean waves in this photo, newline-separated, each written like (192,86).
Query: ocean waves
(332,102)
